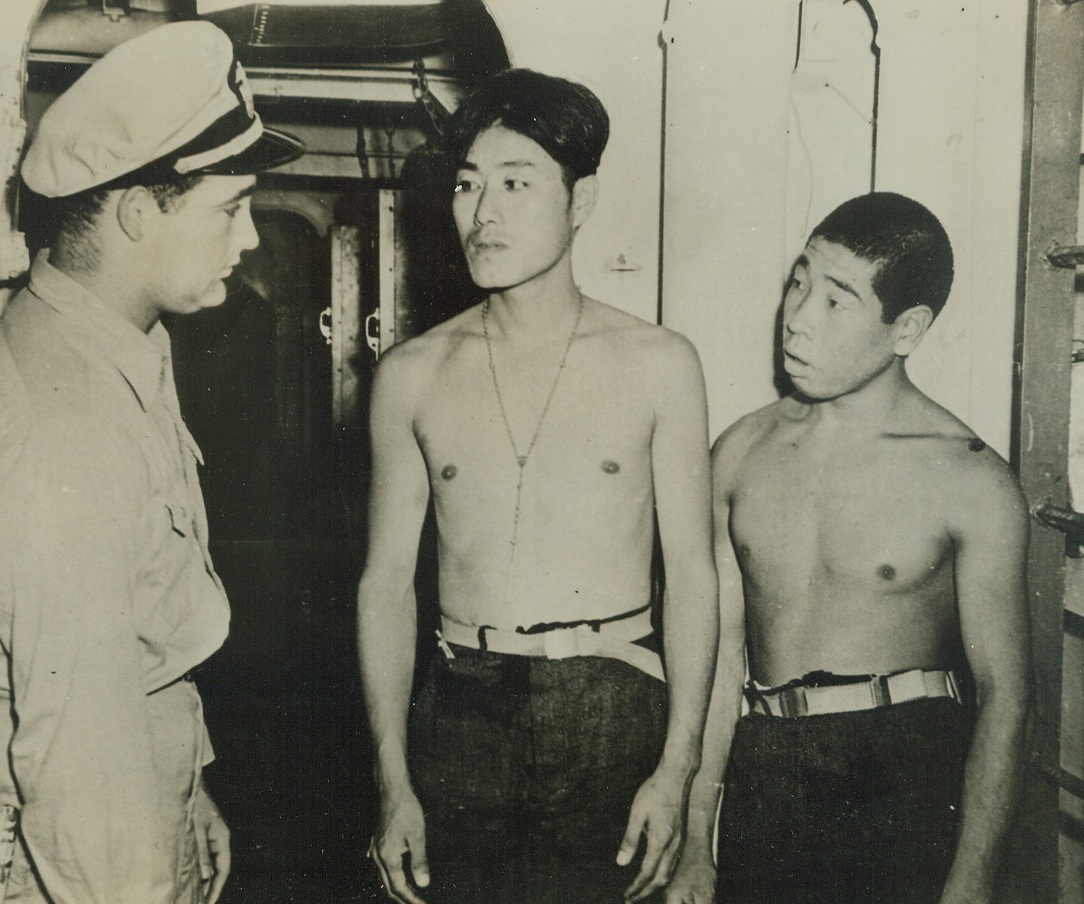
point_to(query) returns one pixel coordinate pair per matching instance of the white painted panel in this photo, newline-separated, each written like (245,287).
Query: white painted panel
(729,65)
(950,134)
(831,126)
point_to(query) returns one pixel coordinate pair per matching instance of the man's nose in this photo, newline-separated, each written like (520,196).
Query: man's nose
(487,208)
(248,237)
(798,314)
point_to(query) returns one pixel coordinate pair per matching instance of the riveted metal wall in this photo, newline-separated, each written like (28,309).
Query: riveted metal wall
(1043,360)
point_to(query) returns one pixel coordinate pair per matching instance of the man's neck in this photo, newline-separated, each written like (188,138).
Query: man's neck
(534,312)
(868,408)
(106,289)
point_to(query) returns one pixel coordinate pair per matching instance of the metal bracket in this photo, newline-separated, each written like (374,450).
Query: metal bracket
(1063,778)
(1064,257)
(372,331)
(1068,522)
(115,10)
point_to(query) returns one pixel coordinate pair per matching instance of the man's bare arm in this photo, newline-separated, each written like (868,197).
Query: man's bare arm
(990,536)
(387,619)
(694,882)
(682,481)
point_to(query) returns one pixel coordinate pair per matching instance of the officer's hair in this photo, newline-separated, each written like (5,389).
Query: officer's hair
(68,224)
(564,118)
(905,240)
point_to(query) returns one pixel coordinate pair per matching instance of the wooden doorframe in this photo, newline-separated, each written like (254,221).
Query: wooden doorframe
(1049,213)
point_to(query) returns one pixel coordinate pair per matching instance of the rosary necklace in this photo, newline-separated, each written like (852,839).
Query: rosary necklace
(521,459)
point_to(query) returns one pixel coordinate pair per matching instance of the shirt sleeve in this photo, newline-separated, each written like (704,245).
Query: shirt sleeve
(81,752)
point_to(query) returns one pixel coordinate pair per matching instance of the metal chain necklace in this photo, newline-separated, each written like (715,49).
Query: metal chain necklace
(521,459)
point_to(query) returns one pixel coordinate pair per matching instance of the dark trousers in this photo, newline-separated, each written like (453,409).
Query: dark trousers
(843,809)
(526,769)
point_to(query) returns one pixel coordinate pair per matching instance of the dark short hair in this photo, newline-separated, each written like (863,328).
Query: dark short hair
(564,118)
(71,220)
(905,239)
(76,213)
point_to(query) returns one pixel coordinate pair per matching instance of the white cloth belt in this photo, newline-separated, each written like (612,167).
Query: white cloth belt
(608,639)
(871,693)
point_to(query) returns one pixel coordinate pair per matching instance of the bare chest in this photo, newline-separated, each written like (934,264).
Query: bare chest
(582,427)
(850,522)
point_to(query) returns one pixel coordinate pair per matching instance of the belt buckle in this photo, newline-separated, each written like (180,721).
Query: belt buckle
(904,686)
(793,702)
(564,643)
(953,686)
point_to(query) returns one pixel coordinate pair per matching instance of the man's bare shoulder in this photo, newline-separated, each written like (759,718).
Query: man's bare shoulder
(415,361)
(969,475)
(934,432)
(737,441)
(750,428)
(604,321)
(665,351)
(656,366)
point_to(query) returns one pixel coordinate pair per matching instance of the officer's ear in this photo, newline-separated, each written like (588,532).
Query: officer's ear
(909,328)
(134,208)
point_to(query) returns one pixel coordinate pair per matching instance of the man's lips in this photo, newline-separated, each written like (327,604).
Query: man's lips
(486,243)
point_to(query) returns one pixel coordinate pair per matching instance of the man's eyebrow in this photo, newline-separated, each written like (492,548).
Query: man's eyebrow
(241,195)
(504,164)
(845,286)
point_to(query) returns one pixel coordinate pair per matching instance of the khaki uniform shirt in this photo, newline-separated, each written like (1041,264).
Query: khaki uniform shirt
(107,599)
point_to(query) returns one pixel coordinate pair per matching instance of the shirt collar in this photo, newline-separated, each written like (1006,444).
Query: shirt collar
(142,358)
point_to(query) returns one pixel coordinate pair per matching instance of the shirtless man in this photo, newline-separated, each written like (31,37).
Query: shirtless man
(550,430)
(873,534)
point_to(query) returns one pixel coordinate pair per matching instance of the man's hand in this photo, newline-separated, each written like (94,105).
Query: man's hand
(658,811)
(212,844)
(401,831)
(694,881)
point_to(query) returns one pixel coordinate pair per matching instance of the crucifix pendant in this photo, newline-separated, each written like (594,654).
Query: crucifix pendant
(522,460)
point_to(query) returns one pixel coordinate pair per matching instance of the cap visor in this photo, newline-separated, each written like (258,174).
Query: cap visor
(273,148)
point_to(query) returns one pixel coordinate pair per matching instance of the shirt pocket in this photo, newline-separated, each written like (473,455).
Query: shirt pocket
(167,536)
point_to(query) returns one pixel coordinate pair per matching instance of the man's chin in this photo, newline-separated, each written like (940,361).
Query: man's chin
(492,283)
(492,279)
(215,296)
(807,391)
